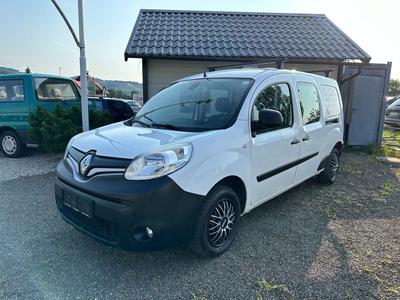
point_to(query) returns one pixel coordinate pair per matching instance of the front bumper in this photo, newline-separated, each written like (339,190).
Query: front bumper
(123,209)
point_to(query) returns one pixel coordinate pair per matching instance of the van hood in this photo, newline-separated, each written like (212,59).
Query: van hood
(121,141)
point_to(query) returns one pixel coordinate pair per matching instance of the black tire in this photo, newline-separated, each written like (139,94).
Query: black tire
(217,222)
(329,174)
(11,144)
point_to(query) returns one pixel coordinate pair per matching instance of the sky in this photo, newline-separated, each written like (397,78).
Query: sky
(34,35)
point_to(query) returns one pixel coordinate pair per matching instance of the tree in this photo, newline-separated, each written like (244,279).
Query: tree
(27,70)
(118,94)
(112,93)
(394,87)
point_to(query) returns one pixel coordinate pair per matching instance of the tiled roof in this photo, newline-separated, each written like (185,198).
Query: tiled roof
(195,34)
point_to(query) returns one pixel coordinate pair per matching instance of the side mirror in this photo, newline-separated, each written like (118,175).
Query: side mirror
(270,118)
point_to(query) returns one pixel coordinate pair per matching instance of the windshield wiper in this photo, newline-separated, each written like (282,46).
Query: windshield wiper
(168,126)
(141,123)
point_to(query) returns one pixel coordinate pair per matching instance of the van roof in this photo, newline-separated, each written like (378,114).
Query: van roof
(249,73)
(30,75)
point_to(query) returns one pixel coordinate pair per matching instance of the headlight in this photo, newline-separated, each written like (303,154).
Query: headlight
(159,163)
(70,144)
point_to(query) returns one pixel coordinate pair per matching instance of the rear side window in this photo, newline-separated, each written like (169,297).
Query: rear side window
(12,91)
(331,101)
(309,102)
(56,89)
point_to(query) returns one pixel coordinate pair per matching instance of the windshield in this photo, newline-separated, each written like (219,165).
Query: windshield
(196,105)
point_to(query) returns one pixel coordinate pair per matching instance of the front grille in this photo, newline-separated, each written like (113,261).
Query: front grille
(101,226)
(99,162)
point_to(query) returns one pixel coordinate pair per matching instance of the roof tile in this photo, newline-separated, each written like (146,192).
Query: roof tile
(248,35)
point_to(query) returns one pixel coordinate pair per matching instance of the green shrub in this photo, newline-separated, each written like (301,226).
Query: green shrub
(52,131)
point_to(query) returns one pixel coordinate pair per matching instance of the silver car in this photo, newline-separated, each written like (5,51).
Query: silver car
(392,116)
(134,105)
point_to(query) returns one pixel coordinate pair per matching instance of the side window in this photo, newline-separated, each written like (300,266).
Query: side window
(56,89)
(309,102)
(331,100)
(96,105)
(275,97)
(12,90)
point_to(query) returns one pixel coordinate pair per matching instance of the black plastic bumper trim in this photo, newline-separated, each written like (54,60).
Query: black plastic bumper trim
(159,204)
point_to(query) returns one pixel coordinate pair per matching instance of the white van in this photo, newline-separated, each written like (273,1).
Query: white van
(202,152)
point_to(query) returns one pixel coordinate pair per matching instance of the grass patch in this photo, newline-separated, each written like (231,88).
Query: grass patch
(265,286)
(198,297)
(391,133)
(3,280)
(389,150)
(383,271)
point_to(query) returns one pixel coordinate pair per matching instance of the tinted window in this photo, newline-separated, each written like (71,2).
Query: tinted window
(96,105)
(12,90)
(309,102)
(276,97)
(120,110)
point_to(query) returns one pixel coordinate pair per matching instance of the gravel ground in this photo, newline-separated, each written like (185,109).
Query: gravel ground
(33,163)
(313,242)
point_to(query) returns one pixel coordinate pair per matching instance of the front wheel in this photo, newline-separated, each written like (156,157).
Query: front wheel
(329,174)
(11,144)
(217,222)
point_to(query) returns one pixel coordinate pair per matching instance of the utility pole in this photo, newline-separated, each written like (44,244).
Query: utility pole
(82,60)
(59,71)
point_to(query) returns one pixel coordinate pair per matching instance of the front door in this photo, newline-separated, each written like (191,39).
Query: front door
(274,151)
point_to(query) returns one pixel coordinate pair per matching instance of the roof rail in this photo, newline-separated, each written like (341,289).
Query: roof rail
(278,61)
(326,72)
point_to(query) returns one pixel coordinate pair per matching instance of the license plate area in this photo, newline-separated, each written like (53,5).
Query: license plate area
(393,114)
(78,203)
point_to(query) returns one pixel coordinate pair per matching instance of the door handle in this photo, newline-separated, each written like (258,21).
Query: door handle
(295,141)
(306,138)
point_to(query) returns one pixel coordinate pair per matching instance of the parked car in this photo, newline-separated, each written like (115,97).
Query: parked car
(20,94)
(134,105)
(392,115)
(119,109)
(391,100)
(198,155)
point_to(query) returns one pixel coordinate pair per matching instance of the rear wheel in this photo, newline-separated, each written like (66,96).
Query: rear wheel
(329,174)
(217,222)
(11,144)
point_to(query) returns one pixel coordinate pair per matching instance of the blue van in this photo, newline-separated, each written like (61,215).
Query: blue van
(20,94)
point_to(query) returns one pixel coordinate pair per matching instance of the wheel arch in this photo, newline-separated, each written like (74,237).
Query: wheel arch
(339,146)
(322,164)
(7,128)
(238,186)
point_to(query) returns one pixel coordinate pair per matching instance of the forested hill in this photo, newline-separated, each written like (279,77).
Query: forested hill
(125,86)
(4,70)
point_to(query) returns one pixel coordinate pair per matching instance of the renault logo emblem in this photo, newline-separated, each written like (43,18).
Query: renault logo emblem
(85,163)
